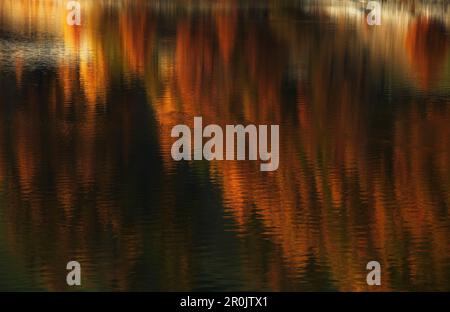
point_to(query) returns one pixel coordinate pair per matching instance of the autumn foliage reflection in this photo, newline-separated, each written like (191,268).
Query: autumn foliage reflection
(360,178)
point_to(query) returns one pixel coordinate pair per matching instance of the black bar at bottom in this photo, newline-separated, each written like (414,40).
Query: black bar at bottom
(232,301)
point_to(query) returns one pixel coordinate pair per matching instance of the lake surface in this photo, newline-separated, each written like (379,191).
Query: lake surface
(86,171)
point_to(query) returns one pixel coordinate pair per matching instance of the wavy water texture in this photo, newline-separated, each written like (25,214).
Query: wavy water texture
(86,172)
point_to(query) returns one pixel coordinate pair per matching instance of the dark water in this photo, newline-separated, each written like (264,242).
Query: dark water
(86,172)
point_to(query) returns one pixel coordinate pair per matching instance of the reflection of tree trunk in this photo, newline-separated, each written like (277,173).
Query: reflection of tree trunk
(426,50)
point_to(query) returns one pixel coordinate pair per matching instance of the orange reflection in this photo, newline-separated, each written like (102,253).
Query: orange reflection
(344,194)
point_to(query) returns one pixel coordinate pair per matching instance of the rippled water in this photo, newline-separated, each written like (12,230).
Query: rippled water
(86,172)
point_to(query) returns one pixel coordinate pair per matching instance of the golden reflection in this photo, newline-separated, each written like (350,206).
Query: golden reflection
(344,194)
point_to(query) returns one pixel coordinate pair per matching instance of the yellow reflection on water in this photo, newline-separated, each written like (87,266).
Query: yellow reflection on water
(361,176)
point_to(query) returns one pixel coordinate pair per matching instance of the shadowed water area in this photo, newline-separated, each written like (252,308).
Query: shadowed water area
(86,171)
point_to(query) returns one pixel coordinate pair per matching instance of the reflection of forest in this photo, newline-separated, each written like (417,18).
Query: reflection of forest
(363,175)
